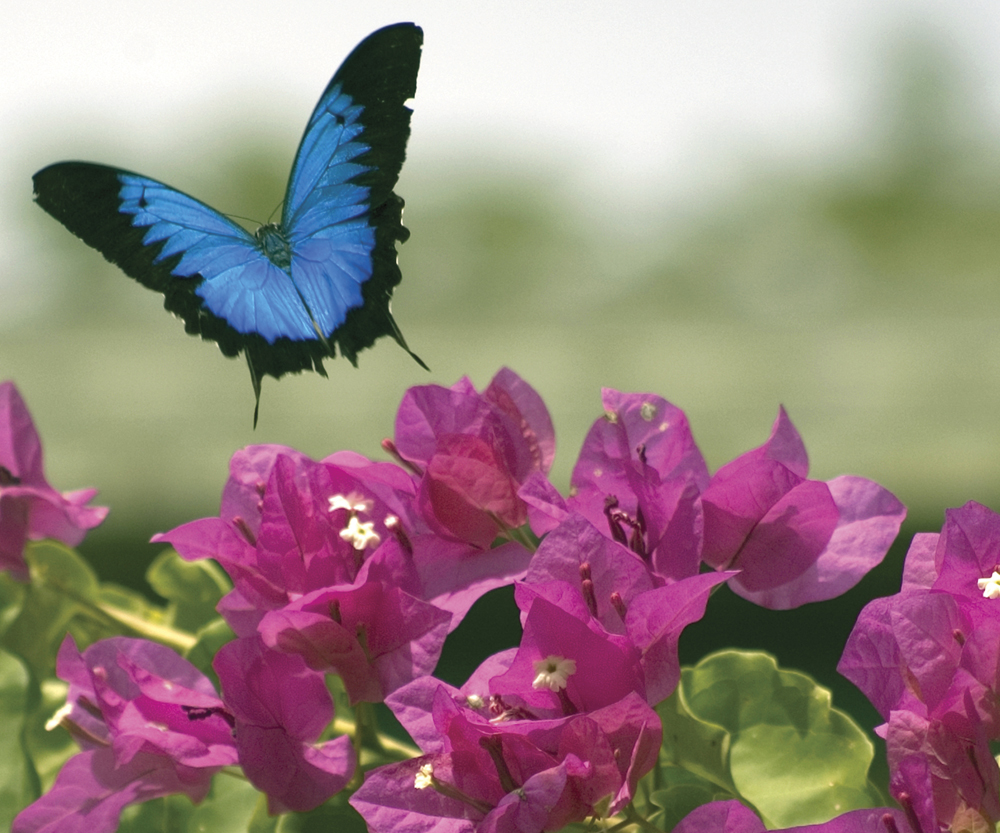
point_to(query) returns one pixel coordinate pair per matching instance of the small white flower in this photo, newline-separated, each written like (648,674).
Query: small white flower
(56,719)
(990,586)
(339,502)
(361,535)
(553,673)
(425,777)
(351,502)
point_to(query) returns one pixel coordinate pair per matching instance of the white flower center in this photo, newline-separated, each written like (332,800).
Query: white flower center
(352,503)
(990,586)
(361,535)
(553,673)
(425,777)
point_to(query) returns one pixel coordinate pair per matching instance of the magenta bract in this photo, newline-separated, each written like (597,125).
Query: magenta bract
(280,708)
(472,452)
(30,509)
(794,540)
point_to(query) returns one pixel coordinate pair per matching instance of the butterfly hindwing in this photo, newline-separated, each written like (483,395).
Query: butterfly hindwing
(288,296)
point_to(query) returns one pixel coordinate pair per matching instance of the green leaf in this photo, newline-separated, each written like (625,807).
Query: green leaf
(228,808)
(61,568)
(695,745)
(192,588)
(261,821)
(792,756)
(62,585)
(131,602)
(47,749)
(18,782)
(336,814)
(677,800)
(11,600)
(210,638)
(163,815)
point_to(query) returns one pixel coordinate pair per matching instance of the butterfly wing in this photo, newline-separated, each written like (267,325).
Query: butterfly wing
(340,214)
(174,244)
(323,278)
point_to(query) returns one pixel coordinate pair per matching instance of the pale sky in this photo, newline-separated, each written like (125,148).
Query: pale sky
(642,99)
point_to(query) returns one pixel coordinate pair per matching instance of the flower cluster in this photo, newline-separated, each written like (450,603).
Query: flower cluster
(927,658)
(149,723)
(733,817)
(360,569)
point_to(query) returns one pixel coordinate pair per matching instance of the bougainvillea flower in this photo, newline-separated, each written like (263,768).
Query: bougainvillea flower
(603,667)
(601,575)
(939,638)
(30,509)
(281,708)
(967,552)
(927,659)
(249,471)
(592,577)
(721,817)
(922,652)
(150,700)
(290,526)
(794,540)
(374,635)
(533,774)
(150,724)
(654,622)
(733,817)
(93,788)
(472,452)
(560,724)
(638,479)
(942,771)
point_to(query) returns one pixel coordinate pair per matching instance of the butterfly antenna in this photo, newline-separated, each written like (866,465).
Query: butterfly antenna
(240,217)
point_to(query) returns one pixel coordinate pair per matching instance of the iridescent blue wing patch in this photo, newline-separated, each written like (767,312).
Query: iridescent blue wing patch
(294,292)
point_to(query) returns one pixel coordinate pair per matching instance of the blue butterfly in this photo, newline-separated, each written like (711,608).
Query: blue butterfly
(288,295)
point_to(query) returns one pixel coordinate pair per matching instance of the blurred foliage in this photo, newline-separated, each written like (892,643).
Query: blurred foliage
(860,291)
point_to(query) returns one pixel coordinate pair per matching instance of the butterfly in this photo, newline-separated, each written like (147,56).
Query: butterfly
(293,292)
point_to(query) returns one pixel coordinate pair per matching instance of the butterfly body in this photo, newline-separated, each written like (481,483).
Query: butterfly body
(294,292)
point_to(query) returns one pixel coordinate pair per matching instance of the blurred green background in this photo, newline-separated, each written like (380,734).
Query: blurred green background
(858,288)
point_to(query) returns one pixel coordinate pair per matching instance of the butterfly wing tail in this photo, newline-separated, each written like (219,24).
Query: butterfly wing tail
(255,381)
(373,319)
(396,334)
